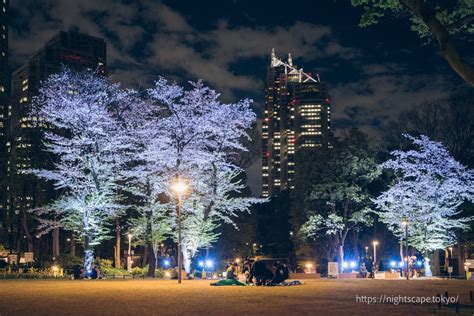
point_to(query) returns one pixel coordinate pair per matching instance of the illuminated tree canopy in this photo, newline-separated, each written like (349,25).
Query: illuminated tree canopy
(429,190)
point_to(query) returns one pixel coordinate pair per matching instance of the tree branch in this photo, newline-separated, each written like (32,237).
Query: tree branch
(448,49)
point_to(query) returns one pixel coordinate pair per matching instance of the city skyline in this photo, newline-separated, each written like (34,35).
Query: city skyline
(372,75)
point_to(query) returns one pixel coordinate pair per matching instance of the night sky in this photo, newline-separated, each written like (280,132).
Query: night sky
(372,74)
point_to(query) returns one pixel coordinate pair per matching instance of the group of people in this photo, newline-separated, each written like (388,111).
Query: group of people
(79,273)
(255,274)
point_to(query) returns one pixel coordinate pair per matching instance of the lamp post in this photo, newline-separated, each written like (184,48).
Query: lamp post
(374,266)
(179,187)
(129,257)
(375,243)
(405,224)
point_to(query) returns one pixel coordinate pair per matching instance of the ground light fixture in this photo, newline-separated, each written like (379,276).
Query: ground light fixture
(209,264)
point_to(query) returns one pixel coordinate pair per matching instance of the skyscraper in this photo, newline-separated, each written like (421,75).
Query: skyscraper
(4,109)
(297,115)
(75,50)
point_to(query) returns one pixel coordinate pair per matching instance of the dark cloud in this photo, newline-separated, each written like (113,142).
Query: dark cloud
(371,81)
(173,45)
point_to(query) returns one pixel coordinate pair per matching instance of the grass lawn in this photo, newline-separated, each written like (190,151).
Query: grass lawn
(165,297)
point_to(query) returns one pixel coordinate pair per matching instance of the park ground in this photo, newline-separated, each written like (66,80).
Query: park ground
(166,297)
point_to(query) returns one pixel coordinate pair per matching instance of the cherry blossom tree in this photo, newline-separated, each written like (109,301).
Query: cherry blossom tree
(198,139)
(428,192)
(88,147)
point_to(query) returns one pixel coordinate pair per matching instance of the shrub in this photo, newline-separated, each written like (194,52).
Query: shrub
(137,271)
(105,263)
(113,271)
(68,261)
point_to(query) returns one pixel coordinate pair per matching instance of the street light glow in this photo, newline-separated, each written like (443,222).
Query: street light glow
(179,186)
(375,243)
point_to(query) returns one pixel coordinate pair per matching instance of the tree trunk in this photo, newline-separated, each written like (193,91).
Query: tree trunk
(402,257)
(117,253)
(448,49)
(340,255)
(55,235)
(29,238)
(355,243)
(73,246)
(186,260)
(151,260)
(461,257)
(145,256)
(149,246)
(18,239)
(436,266)
(88,255)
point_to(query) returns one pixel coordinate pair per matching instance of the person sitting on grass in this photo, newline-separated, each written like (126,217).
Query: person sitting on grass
(231,277)
(246,271)
(281,273)
(261,273)
(363,271)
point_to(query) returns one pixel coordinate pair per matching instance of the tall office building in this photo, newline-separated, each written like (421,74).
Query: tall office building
(74,50)
(4,112)
(297,115)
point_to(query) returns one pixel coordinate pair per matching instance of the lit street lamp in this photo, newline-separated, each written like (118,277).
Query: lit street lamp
(179,187)
(405,224)
(129,257)
(375,243)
